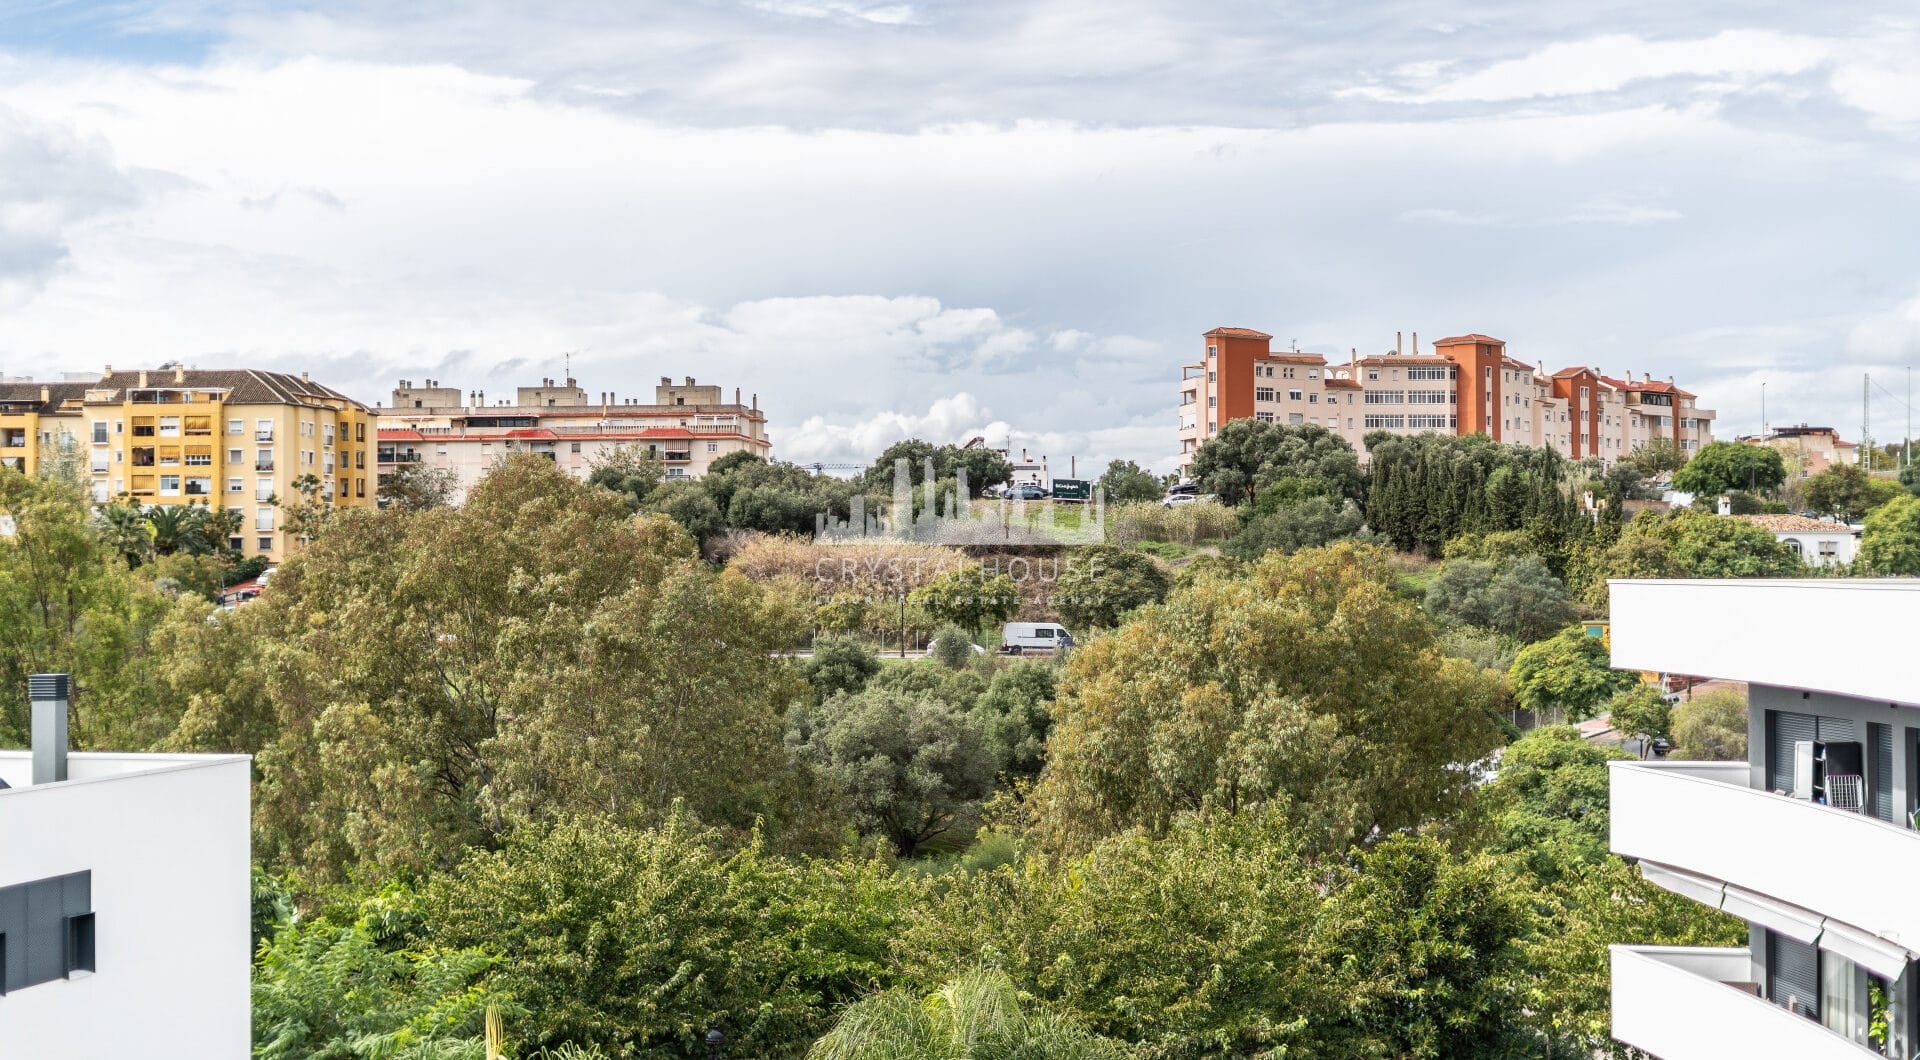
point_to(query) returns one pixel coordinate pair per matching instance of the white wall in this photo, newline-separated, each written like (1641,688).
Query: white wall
(1673,1002)
(1848,636)
(169,850)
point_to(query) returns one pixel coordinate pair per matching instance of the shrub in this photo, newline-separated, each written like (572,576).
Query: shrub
(951,647)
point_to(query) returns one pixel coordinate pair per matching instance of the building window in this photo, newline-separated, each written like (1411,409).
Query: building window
(47,928)
(236,485)
(360,431)
(265,544)
(1313,373)
(1373,375)
(263,430)
(1386,397)
(1427,371)
(1263,416)
(1293,395)
(1385,423)
(263,489)
(1213,402)
(1294,417)
(1313,398)
(1213,351)
(1210,377)
(236,426)
(263,519)
(573,447)
(1263,393)
(169,485)
(99,432)
(713,447)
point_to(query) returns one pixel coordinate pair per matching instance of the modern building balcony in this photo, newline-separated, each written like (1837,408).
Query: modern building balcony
(676,456)
(1790,864)
(1689,1003)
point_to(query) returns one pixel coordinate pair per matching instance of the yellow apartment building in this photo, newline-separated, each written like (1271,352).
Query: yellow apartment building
(224,438)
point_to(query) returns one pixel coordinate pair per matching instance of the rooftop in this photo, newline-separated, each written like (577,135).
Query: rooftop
(1239,333)
(1781,524)
(1461,340)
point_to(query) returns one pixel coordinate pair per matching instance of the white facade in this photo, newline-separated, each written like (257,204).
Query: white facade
(1813,858)
(164,840)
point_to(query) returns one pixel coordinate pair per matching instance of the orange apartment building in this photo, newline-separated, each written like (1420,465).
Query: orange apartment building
(1467,384)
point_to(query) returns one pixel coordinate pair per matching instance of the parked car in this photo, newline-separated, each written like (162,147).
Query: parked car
(1026,491)
(1175,499)
(1018,638)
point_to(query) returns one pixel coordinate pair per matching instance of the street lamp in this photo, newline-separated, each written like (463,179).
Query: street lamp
(714,1041)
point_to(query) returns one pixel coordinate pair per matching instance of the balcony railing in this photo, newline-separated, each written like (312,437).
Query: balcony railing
(263,436)
(1688,1003)
(263,465)
(1702,818)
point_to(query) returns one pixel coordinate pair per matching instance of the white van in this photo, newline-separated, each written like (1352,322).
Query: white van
(1019,638)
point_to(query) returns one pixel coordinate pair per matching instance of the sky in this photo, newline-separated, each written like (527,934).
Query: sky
(957,219)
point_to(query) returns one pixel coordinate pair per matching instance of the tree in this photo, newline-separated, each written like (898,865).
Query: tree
(1429,954)
(1309,684)
(633,470)
(1015,715)
(442,676)
(978,1016)
(1308,523)
(1655,457)
(1890,544)
(1711,727)
(951,647)
(1125,481)
(1549,804)
(1910,478)
(1429,489)
(1569,671)
(1722,466)
(1642,711)
(686,503)
(416,487)
(1519,597)
(985,467)
(1847,493)
(907,765)
(1103,583)
(967,597)
(1248,456)
(839,664)
(638,941)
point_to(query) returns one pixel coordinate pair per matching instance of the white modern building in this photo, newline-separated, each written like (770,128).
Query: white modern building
(1820,542)
(1809,841)
(125,901)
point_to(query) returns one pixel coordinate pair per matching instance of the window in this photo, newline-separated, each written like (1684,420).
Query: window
(1313,398)
(236,426)
(1385,423)
(327,435)
(265,544)
(99,461)
(359,487)
(46,930)
(99,432)
(236,485)
(360,431)
(1213,402)
(1396,373)
(1293,395)
(263,489)
(1373,375)
(1429,397)
(1427,423)
(1313,373)
(1386,397)
(1263,416)
(263,430)
(713,447)
(1333,423)
(574,447)
(1428,371)
(199,487)
(263,460)
(1210,377)
(1213,351)
(234,456)
(169,426)
(1263,393)
(169,485)
(263,518)
(1293,417)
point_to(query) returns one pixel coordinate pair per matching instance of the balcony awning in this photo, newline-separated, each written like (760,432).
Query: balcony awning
(1707,892)
(1869,951)
(1789,920)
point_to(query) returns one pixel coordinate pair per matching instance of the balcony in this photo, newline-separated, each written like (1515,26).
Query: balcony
(1689,1003)
(1826,864)
(674,456)
(263,465)
(263,436)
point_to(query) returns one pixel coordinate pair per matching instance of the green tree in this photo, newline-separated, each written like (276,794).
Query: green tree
(1890,544)
(1723,466)
(1711,727)
(1248,456)
(1310,522)
(1125,481)
(1910,478)
(1428,951)
(441,676)
(907,765)
(978,1016)
(638,941)
(839,664)
(354,990)
(1642,711)
(1519,597)
(416,487)
(686,503)
(968,597)
(1655,457)
(951,647)
(1569,671)
(1309,684)
(985,468)
(1848,493)
(1015,715)
(633,470)
(1103,583)
(1548,806)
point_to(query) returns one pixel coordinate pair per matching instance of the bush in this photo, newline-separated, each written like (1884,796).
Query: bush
(1015,714)
(1519,597)
(1103,583)
(839,664)
(952,647)
(1308,523)
(1185,524)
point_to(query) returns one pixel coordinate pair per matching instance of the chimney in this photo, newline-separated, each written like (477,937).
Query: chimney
(756,402)
(304,379)
(108,374)
(49,695)
(736,395)
(666,380)
(143,379)
(180,375)
(46,394)
(689,380)
(1396,342)
(1416,344)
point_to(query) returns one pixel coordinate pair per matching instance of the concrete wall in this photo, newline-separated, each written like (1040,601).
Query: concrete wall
(169,849)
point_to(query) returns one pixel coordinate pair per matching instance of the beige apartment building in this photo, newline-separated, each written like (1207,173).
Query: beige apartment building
(687,425)
(1808,450)
(236,439)
(1467,384)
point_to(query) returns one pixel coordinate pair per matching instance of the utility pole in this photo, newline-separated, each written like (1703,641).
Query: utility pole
(1906,457)
(1866,380)
(1763,410)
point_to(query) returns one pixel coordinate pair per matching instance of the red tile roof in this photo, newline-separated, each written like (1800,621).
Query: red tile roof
(1461,340)
(1240,333)
(1344,384)
(1294,358)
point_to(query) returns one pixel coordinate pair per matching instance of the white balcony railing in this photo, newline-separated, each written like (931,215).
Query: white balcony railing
(1702,818)
(1687,1003)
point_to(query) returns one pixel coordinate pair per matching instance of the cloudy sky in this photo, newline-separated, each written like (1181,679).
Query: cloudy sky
(956,218)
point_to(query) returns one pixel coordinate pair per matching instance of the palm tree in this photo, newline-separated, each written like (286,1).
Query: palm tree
(978,1016)
(123,528)
(172,528)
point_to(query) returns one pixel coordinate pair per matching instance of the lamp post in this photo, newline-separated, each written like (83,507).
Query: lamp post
(714,1041)
(903,620)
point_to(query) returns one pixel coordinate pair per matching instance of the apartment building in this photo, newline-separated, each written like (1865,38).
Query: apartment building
(1805,841)
(1467,384)
(237,439)
(688,426)
(125,898)
(1808,450)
